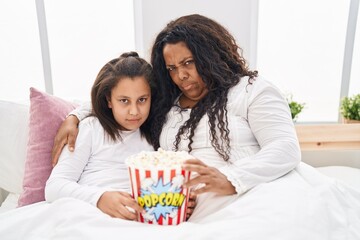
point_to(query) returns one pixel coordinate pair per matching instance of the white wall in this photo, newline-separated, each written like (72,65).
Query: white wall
(152,16)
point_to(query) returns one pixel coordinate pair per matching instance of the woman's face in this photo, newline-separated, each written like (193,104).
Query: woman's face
(130,102)
(181,66)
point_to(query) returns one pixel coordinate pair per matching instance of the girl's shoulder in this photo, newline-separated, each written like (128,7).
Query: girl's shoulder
(90,122)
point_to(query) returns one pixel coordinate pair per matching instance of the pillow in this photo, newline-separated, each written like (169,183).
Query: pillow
(47,112)
(14,123)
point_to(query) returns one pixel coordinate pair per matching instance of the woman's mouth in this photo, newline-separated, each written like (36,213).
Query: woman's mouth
(188,87)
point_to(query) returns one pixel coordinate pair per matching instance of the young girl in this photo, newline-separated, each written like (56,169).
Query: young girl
(96,172)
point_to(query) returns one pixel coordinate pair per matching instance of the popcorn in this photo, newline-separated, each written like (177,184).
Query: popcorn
(158,159)
(156,179)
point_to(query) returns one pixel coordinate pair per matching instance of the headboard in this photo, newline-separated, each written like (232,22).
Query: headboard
(330,144)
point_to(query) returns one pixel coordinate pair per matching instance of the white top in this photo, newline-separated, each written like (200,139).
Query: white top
(97,164)
(259,118)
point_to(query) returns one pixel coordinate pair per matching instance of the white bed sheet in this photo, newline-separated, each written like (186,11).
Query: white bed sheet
(10,202)
(348,175)
(303,204)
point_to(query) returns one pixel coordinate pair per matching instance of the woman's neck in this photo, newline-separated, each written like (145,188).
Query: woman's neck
(185,102)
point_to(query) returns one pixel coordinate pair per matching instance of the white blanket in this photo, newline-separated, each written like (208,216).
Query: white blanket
(301,205)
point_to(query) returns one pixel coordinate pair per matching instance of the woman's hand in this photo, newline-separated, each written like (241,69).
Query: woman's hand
(211,178)
(191,204)
(66,134)
(117,204)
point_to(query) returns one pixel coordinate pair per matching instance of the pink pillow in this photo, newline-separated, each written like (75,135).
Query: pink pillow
(47,112)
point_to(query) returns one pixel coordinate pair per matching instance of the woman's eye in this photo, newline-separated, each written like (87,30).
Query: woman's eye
(170,69)
(189,62)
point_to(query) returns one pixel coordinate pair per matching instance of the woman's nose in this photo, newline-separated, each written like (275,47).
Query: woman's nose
(182,73)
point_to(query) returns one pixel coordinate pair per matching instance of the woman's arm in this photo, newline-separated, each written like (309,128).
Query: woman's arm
(68,131)
(270,121)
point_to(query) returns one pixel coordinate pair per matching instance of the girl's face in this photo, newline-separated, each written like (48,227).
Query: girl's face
(130,102)
(181,66)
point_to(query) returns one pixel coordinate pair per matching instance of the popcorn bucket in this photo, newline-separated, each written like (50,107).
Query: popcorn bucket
(159,191)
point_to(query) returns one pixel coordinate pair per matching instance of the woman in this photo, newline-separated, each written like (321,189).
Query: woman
(211,104)
(237,125)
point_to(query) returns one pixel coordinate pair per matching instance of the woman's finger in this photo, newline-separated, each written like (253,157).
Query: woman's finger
(194,161)
(56,151)
(198,168)
(205,188)
(71,140)
(200,179)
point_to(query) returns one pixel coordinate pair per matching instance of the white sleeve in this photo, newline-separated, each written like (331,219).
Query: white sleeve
(270,121)
(63,181)
(82,111)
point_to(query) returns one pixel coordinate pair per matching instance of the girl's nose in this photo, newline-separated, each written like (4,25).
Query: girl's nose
(134,110)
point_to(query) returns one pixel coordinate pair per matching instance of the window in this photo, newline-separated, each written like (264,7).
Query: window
(20,58)
(82,36)
(301,49)
(355,69)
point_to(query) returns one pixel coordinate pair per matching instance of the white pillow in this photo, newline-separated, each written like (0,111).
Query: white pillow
(14,120)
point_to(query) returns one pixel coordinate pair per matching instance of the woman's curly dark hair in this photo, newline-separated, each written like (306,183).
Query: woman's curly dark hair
(218,60)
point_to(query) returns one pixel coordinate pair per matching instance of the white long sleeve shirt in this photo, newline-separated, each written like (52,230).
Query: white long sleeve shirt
(96,165)
(263,140)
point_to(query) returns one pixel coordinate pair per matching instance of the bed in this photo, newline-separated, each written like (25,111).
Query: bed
(333,149)
(331,167)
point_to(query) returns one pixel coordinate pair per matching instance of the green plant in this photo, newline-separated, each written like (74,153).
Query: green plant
(295,107)
(350,107)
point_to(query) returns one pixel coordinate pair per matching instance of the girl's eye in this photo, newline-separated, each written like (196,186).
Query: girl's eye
(124,100)
(142,100)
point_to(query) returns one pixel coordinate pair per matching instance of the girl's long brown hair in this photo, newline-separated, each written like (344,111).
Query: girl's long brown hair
(128,65)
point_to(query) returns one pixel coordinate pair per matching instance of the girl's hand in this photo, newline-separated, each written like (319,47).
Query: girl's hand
(66,134)
(211,178)
(117,204)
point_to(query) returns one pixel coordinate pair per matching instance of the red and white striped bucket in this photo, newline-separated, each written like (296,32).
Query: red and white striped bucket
(161,194)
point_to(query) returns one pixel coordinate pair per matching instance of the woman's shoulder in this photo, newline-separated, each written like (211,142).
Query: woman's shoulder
(241,95)
(245,86)
(247,82)
(262,82)
(248,87)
